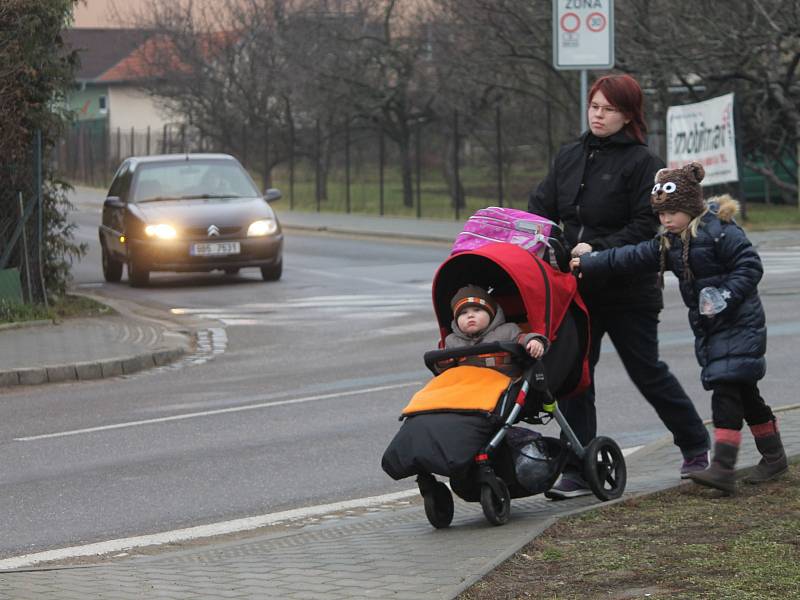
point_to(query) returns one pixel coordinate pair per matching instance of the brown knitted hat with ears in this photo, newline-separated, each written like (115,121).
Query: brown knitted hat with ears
(679,190)
(473,295)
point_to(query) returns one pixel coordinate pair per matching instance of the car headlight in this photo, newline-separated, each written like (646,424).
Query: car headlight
(162,231)
(262,227)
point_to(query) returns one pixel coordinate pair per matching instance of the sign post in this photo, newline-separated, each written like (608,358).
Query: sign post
(583,38)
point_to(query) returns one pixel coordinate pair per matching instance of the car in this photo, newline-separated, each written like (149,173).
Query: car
(188,213)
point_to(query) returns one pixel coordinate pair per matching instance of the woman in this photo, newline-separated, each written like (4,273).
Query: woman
(599,189)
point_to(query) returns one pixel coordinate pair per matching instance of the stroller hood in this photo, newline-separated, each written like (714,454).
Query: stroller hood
(528,289)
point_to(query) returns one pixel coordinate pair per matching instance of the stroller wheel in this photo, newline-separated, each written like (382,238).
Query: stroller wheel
(496,510)
(438,505)
(604,468)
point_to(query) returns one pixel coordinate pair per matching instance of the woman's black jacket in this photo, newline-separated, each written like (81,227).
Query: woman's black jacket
(729,346)
(599,189)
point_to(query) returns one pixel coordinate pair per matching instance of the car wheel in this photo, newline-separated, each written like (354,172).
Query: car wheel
(274,272)
(112,269)
(138,274)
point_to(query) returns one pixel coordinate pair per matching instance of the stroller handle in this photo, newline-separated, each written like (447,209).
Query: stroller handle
(434,358)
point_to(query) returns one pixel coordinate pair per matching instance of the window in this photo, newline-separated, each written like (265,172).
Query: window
(193,179)
(102,105)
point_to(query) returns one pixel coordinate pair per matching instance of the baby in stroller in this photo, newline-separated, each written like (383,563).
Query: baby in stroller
(460,425)
(478,319)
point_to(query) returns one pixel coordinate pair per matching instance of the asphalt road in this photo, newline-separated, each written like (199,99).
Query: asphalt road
(296,407)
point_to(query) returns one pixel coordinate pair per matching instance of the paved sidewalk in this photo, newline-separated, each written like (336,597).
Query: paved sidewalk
(391,552)
(81,349)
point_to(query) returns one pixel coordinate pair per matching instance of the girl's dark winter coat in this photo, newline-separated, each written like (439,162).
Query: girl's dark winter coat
(730,346)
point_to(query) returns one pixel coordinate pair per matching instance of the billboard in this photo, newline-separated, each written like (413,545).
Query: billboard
(704,133)
(583,34)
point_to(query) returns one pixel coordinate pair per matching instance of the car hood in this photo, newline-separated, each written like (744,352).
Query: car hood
(202,212)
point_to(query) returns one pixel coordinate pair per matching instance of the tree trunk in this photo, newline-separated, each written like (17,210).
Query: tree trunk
(407,172)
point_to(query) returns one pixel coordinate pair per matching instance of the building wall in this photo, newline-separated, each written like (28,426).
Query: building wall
(131,107)
(87,103)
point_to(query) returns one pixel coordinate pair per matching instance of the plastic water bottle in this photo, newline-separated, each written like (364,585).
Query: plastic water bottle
(711,301)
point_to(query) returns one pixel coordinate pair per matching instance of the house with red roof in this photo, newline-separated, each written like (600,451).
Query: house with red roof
(110,94)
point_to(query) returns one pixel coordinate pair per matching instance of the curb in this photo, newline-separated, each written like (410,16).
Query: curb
(86,371)
(25,324)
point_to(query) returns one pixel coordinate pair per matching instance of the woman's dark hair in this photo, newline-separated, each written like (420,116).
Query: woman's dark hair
(624,94)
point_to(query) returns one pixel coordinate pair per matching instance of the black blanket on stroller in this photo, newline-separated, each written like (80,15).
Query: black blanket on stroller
(441,443)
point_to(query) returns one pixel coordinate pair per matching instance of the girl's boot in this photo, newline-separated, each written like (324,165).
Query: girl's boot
(721,474)
(773,462)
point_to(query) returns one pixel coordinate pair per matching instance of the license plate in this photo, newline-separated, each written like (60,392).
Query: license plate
(215,249)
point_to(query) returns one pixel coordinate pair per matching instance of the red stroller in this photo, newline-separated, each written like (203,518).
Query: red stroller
(449,430)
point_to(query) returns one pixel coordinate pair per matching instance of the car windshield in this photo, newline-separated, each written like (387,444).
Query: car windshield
(192,179)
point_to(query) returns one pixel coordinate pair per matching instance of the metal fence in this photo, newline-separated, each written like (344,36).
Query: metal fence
(452,166)
(22,227)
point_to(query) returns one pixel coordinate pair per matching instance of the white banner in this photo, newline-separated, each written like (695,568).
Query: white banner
(704,133)
(583,34)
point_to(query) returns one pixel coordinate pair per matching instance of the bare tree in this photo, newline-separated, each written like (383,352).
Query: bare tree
(222,69)
(750,48)
(371,61)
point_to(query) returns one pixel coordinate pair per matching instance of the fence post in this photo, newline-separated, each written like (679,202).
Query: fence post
(106,151)
(40,220)
(245,145)
(90,153)
(267,167)
(148,140)
(418,166)
(456,176)
(82,152)
(381,158)
(549,133)
(499,125)
(133,141)
(183,138)
(25,249)
(291,165)
(119,146)
(317,161)
(347,163)
(164,140)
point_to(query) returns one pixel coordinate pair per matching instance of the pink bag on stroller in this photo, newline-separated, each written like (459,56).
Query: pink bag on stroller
(494,224)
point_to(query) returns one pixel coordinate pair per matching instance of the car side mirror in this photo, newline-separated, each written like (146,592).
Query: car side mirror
(114,202)
(272,194)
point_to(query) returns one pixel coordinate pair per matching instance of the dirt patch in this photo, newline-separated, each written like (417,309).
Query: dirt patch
(687,543)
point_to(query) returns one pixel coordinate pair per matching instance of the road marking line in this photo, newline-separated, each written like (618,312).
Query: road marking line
(201,531)
(220,411)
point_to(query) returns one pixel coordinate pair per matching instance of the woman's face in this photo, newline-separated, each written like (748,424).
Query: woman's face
(605,119)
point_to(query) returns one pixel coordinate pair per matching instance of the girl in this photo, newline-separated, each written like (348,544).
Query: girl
(718,270)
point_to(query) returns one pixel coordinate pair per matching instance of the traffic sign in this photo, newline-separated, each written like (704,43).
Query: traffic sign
(583,34)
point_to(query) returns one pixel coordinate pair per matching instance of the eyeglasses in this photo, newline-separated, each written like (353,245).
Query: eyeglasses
(603,107)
